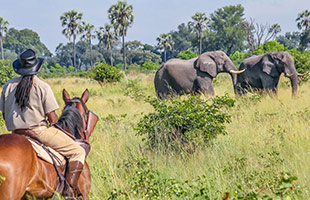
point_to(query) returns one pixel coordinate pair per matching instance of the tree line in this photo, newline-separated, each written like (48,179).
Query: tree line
(225,29)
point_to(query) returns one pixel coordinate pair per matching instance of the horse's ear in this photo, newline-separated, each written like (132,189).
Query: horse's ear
(65,96)
(85,96)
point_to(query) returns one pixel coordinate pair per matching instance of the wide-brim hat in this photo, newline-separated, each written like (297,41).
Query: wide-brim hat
(28,63)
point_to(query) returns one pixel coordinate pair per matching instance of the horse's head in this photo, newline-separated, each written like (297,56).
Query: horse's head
(76,118)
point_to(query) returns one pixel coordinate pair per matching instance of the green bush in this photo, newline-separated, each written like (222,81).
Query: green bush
(120,66)
(269,46)
(186,55)
(301,59)
(106,73)
(144,181)
(134,67)
(57,69)
(6,72)
(134,90)
(150,66)
(70,69)
(237,58)
(184,124)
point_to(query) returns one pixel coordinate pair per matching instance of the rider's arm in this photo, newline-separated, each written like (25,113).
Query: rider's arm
(52,117)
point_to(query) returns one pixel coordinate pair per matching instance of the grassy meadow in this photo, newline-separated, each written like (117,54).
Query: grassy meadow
(268,139)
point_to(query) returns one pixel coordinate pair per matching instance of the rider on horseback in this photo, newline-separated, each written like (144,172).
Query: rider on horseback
(26,102)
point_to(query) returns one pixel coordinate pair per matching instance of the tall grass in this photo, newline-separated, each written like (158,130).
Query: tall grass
(268,136)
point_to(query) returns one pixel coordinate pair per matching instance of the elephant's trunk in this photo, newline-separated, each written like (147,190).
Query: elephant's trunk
(232,70)
(234,80)
(294,83)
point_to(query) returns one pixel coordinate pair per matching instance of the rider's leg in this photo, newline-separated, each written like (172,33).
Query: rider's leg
(66,146)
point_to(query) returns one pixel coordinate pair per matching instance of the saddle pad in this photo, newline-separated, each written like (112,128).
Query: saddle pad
(45,156)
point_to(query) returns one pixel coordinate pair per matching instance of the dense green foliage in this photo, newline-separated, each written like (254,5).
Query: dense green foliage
(237,58)
(301,59)
(144,181)
(269,46)
(186,55)
(183,39)
(150,66)
(183,124)
(106,73)
(226,30)
(6,72)
(19,40)
(289,40)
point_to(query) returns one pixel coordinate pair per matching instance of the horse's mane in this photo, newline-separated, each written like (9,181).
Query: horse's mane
(71,119)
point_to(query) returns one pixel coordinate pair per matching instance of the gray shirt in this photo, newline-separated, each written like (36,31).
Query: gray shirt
(41,102)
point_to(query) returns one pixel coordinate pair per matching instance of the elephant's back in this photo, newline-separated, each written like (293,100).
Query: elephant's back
(250,62)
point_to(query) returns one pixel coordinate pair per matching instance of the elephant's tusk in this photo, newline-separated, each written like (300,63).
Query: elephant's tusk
(236,72)
(298,74)
(289,75)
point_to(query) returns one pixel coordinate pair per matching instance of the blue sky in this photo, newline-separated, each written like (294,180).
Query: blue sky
(152,17)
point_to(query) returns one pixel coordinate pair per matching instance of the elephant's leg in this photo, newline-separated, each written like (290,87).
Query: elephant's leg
(204,85)
(270,85)
(242,88)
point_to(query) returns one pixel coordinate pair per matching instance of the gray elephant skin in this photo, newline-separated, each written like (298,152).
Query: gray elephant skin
(194,76)
(262,73)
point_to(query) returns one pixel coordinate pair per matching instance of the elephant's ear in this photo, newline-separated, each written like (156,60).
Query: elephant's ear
(209,66)
(270,68)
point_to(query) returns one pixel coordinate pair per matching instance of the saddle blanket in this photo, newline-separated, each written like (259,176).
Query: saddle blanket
(41,153)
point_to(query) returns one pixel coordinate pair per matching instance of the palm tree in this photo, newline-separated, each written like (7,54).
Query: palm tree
(303,21)
(107,37)
(3,29)
(165,42)
(121,16)
(87,36)
(72,21)
(200,22)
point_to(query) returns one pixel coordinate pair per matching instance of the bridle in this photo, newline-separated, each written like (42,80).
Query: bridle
(89,118)
(81,107)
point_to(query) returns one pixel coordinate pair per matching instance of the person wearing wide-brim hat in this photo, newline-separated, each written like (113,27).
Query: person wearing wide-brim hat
(28,103)
(28,63)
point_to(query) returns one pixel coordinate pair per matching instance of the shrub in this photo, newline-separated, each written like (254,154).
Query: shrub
(134,67)
(107,73)
(134,90)
(70,69)
(144,182)
(57,69)
(183,124)
(237,58)
(186,55)
(150,66)
(120,66)
(301,60)
(6,72)
(269,46)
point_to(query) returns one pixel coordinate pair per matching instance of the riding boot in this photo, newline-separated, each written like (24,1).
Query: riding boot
(72,177)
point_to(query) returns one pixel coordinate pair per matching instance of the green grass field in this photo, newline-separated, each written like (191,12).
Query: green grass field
(268,137)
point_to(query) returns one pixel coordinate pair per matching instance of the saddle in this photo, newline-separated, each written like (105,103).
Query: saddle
(53,157)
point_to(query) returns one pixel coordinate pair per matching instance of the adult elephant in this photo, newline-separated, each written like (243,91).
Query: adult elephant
(194,76)
(262,73)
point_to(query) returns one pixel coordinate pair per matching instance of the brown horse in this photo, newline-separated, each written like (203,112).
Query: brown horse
(22,173)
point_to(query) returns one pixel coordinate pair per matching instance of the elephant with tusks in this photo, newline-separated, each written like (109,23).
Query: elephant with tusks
(194,76)
(262,73)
